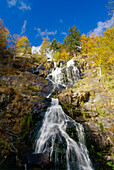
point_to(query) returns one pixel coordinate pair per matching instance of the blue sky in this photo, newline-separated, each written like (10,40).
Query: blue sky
(38,18)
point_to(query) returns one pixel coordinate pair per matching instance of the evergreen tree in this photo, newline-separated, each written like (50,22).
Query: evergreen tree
(54,45)
(72,41)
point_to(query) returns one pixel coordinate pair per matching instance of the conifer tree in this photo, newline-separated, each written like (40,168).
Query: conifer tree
(72,41)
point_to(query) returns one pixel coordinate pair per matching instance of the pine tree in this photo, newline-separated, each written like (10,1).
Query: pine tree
(72,41)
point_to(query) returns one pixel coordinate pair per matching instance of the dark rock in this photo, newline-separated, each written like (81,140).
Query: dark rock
(38,160)
(96,137)
(43,69)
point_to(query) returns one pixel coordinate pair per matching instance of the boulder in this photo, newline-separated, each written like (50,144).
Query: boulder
(96,137)
(38,160)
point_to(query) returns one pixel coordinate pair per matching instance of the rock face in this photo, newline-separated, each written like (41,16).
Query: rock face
(23,104)
(74,97)
(22,108)
(89,103)
(96,137)
(43,69)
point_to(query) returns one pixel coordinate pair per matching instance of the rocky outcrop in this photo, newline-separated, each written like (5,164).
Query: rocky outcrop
(22,108)
(43,69)
(96,137)
(89,103)
(74,97)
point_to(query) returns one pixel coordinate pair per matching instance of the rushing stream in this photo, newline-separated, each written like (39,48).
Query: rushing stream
(53,137)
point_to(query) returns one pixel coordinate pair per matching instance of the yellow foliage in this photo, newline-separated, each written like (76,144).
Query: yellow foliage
(100,49)
(4,34)
(84,40)
(22,45)
(56,56)
(64,55)
(45,46)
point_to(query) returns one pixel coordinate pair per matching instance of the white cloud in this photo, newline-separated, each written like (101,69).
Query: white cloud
(11,3)
(45,33)
(61,21)
(20,4)
(23,29)
(64,33)
(101,26)
(24,6)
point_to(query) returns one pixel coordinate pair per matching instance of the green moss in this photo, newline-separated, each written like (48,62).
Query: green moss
(110,163)
(101,127)
(37,89)
(99,154)
(30,87)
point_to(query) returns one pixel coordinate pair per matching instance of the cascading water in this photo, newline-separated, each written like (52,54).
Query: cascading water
(53,133)
(53,137)
(65,76)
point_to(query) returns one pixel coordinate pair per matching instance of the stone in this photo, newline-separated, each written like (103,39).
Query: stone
(96,137)
(38,160)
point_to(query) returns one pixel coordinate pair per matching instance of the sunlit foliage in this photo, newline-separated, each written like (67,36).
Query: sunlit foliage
(4,34)
(99,49)
(64,55)
(23,45)
(45,47)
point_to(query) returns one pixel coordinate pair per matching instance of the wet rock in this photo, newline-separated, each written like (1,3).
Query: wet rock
(96,137)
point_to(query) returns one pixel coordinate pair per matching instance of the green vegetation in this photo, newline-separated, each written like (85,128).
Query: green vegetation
(100,111)
(99,154)
(101,127)
(72,41)
(110,163)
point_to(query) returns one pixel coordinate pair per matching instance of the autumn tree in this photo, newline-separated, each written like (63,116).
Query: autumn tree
(72,41)
(64,55)
(56,56)
(99,49)
(45,46)
(23,45)
(4,34)
(84,41)
(109,44)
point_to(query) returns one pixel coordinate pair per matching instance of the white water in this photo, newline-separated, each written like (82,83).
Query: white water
(53,129)
(52,137)
(65,76)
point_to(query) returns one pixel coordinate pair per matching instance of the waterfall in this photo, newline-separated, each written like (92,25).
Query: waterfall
(53,133)
(53,136)
(65,76)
